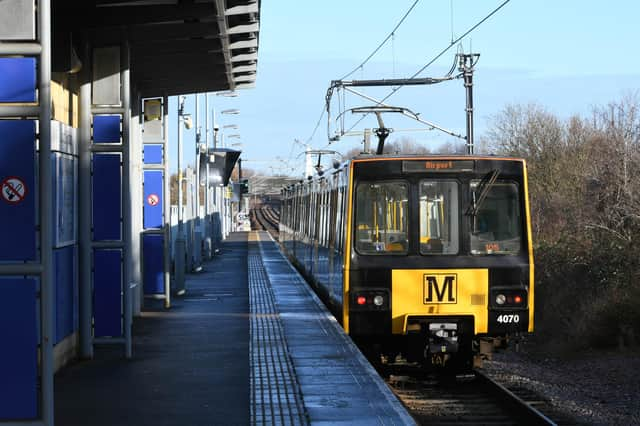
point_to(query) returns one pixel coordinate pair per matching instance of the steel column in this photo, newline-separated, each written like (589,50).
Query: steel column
(167,206)
(127,212)
(207,224)
(123,243)
(84,210)
(179,260)
(46,225)
(468,84)
(466,64)
(135,158)
(197,243)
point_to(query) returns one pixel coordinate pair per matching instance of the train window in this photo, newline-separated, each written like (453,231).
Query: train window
(381,218)
(341,215)
(439,217)
(496,227)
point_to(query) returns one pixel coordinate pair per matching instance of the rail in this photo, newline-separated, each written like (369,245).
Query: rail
(266,218)
(473,399)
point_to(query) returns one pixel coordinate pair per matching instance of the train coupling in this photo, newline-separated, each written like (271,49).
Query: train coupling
(442,338)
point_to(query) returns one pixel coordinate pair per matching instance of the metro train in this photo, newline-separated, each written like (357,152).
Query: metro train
(424,257)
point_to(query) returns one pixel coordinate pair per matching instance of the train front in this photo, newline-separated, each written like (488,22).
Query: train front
(440,265)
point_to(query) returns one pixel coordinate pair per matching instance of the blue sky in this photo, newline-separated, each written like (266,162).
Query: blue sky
(567,56)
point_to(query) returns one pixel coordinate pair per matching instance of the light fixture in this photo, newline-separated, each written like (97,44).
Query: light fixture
(227,94)
(188,123)
(230,111)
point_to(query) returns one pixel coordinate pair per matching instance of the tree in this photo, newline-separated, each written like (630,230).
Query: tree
(404,145)
(584,181)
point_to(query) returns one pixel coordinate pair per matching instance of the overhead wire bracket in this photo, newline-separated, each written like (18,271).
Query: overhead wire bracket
(380,107)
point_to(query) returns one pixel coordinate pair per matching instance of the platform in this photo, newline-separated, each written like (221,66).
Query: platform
(249,343)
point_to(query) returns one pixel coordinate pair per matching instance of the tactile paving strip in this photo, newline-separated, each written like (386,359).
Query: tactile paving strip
(275,393)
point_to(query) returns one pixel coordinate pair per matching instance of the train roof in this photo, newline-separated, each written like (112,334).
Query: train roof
(386,157)
(363,158)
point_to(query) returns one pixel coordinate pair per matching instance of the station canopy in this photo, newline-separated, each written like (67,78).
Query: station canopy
(177,47)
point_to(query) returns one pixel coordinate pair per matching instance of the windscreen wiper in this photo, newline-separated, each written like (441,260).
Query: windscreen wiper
(484,187)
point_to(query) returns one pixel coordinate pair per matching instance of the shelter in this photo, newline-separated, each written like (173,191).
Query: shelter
(76,78)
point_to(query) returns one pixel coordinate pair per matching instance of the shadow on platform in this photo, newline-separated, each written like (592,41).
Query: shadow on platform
(190,363)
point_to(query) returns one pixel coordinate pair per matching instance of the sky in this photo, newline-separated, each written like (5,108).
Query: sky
(567,56)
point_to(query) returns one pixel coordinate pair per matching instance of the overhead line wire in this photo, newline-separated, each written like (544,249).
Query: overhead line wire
(460,38)
(315,129)
(391,34)
(453,42)
(383,42)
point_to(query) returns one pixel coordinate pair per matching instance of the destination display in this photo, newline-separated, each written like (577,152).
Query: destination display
(421,166)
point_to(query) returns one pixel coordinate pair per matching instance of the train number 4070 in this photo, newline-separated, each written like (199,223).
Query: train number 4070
(508,318)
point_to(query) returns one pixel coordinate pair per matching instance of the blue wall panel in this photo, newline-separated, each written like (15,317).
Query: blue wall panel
(106,129)
(107,289)
(17,79)
(153,252)
(152,154)
(17,190)
(66,292)
(107,197)
(18,349)
(153,205)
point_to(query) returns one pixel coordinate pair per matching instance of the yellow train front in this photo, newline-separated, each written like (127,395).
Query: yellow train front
(425,257)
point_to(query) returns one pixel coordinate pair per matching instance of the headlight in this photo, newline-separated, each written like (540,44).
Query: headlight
(373,299)
(514,297)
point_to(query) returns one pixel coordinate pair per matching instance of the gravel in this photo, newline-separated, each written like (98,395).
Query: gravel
(599,388)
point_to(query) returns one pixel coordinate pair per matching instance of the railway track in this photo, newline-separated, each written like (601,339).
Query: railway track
(266,218)
(472,399)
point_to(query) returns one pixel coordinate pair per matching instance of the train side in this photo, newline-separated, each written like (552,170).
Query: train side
(312,233)
(427,257)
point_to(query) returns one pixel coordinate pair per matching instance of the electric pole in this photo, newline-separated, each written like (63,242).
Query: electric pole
(197,244)
(465,65)
(183,120)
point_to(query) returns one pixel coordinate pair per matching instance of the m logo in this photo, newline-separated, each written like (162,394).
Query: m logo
(440,288)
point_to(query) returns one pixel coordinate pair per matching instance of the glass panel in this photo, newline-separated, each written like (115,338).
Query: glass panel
(439,217)
(381,218)
(497,226)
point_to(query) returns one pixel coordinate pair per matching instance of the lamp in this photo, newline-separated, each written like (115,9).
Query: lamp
(188,123)
(227,94)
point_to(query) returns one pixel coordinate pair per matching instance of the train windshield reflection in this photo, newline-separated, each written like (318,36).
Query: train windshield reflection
(438,217)
(381,218)
(497,226)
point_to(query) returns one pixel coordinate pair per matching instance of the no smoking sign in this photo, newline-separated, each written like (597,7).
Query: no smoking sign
(153,200)
(13,190)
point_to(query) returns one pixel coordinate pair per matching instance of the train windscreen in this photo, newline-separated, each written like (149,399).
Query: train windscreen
(496,226)
(439,217)
(382,217)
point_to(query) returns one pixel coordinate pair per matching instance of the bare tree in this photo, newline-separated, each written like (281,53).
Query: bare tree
(584,180)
